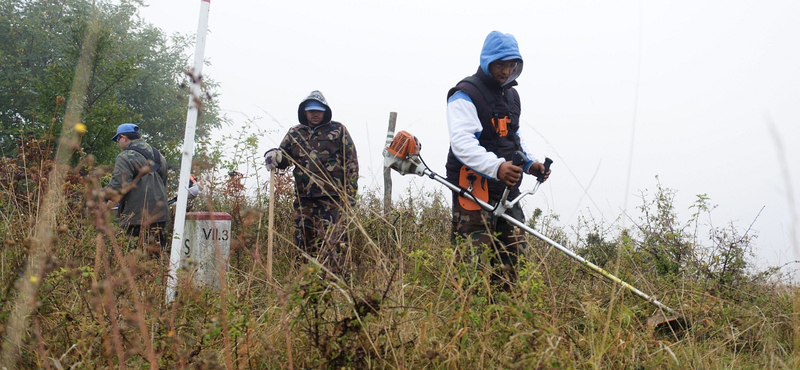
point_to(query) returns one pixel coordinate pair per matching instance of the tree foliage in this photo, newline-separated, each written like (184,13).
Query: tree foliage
(138,75)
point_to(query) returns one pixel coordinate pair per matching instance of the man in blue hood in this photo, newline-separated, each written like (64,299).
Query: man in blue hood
(483,121)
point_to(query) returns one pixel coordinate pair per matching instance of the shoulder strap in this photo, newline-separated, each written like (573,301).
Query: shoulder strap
(500,129)
(487,95)
(154,156)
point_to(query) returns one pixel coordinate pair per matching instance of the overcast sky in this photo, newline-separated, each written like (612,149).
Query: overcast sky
(704,95)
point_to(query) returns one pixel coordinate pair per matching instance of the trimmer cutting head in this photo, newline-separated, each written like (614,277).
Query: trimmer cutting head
(667,324)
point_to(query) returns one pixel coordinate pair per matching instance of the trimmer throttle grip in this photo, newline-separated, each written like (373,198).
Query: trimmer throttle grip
(547,163)
(518,159)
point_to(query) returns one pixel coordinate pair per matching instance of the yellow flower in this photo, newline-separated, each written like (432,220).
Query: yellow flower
(80,128)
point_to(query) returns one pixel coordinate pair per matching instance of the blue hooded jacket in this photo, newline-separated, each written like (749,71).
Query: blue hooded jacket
(500,46)
(492,147)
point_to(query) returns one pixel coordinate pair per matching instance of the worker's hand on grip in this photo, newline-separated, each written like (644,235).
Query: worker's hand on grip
(272,157)
(194,190)
(509,173)
(537,169)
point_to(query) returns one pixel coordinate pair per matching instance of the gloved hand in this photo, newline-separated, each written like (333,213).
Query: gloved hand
(272,157)
(194,190)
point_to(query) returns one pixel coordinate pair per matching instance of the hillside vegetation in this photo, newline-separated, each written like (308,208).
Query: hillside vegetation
(405,301)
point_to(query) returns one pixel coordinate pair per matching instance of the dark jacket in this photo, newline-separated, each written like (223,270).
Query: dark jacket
(325,158)
(146,196)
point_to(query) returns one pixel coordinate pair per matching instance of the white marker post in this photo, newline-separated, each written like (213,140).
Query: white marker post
(206,248)
(188,150)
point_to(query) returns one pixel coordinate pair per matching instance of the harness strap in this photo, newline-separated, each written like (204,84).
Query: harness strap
(153,156)
(487,95)
(500,123)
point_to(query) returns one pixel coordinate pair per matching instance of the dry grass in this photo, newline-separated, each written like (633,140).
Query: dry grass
(406,304)
(404,301)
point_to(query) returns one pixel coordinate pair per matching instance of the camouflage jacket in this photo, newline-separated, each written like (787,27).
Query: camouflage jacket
(143,200)
(325,159)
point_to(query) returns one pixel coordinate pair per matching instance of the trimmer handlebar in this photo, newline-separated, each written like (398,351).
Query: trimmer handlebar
(547,163)
(518,159)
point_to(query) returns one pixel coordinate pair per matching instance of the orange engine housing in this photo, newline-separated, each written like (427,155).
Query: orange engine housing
(404,144)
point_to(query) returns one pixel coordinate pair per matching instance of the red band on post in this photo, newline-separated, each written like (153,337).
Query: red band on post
(212,216)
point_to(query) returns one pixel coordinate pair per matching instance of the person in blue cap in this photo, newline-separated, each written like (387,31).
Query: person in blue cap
(138,183)
(483,113)
(325,176)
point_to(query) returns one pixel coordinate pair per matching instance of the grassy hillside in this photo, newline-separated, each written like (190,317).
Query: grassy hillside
(405,301)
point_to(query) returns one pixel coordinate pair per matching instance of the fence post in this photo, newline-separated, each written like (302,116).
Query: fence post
(387,172)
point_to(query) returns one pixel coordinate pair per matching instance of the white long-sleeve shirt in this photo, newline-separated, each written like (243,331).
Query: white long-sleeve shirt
(465,128)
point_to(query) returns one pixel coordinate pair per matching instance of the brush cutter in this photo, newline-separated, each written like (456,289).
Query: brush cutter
(403,156)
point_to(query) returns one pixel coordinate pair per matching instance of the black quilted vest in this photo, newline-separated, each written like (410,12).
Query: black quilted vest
(490,100)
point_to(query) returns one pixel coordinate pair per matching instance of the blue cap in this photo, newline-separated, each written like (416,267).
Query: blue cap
(315,105)
(125,128)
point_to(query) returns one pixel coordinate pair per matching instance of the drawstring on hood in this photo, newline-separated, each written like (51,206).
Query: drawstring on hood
(314,96)
(501,46)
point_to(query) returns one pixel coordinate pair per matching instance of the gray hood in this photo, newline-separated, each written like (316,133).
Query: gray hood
(317,96)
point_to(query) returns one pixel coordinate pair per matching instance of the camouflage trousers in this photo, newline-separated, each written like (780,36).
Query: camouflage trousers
(152,239)
(493,243)
(319,230)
